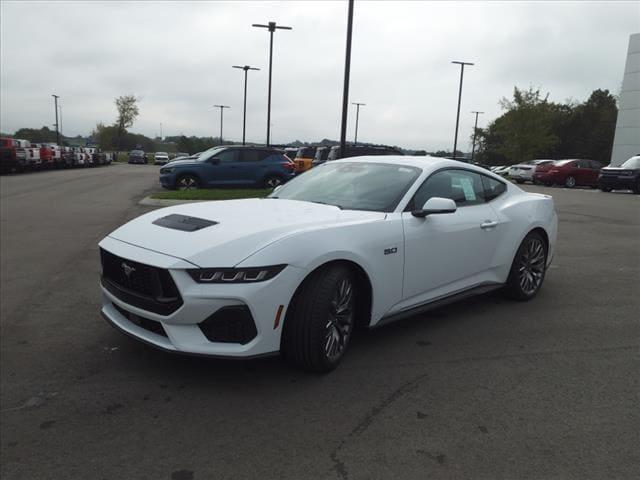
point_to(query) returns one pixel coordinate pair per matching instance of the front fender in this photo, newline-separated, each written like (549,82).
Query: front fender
(369,245)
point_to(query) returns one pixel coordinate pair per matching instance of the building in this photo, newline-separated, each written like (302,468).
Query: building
(626,142)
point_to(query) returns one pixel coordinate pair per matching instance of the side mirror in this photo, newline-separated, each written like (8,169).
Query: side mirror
(436,206)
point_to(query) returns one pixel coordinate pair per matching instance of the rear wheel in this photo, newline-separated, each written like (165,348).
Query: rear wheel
(320,322)
(570,182)
(520,181)
(636,188)
(528,268)
(272,181)
(187,182)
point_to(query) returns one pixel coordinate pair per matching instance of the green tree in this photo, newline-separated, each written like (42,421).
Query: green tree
(127,113)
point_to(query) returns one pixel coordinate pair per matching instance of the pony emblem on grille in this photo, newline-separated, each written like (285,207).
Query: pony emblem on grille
(128,269)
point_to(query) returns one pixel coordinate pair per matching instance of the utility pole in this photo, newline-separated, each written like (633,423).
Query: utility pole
(345,88)
(475,128)
(161,137)
(246,68)
(455,138)
(61,134)
(55,100)
(221,107)
(355,140)
(272,27)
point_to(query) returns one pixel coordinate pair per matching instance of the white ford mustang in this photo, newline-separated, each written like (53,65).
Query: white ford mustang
(352,242)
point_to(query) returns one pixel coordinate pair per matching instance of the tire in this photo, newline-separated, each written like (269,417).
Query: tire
(520,181)
(636,189)
(320,320)
(570,182)
(606,189)
(528,268)
(187,182)
(272,181)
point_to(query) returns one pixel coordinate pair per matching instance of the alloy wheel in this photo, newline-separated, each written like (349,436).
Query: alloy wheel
(187,183)
(340,322)
(273,182)
(570,182)
(531,266)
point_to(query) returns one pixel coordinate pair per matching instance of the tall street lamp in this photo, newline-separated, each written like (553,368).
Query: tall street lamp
(475,129)
(345,88)
(221,107)
(55,100)
(272,27)
(246,68)
(455,139)
(60,108)
(358,105)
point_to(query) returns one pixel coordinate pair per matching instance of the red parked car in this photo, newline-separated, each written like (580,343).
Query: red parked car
(46,155)
(569,173)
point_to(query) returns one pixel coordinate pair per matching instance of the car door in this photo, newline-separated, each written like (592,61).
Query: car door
(221,169)
(594,172)
(251,168)
(446,253)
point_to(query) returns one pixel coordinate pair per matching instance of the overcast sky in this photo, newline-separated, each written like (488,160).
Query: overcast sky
(176,57)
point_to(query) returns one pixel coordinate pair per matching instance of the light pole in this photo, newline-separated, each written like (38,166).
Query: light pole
(272,27)
(355,140)
(60,108)
(221,107)
(161,137)
(455,138)
(345,88)
(246,68)
(55,100)
(475,128)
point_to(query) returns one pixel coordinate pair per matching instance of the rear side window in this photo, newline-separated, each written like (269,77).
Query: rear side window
(227,156)
(251,155)
(492,188)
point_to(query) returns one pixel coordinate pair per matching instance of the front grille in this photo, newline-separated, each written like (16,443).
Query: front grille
(143,286)
(146,323)
(230,325)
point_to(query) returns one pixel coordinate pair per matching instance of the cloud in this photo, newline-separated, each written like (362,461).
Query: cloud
(177,57)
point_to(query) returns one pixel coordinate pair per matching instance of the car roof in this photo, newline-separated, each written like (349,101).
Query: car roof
(422,162)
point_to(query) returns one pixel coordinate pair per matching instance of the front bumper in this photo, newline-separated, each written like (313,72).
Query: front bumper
(182,332)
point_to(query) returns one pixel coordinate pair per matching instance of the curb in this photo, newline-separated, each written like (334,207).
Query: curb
(156,202)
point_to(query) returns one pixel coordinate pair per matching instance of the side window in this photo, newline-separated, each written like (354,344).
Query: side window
(461,186)
(595,165)
(227,156)
(250,155)
(492,188)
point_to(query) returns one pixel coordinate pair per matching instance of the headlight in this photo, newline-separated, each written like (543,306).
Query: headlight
(166,170)
(235,275)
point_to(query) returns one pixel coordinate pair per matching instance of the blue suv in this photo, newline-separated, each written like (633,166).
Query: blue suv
(227,167)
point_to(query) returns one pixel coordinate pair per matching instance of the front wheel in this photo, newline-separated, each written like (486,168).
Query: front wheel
(528,268)
(605,189)
(187,182)
(321,319)
(570,182)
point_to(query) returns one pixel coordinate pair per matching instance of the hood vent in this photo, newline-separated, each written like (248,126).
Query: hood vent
(183,222)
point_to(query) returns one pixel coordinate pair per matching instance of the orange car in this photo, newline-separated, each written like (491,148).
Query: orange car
(304,158)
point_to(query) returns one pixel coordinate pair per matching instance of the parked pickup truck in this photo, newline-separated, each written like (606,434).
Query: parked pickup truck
(8,159)
(27,154)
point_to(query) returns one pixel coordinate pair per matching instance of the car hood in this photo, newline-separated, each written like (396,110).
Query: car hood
(179,163)
(242,228)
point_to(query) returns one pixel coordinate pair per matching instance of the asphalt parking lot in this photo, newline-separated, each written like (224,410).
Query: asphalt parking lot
(486,389)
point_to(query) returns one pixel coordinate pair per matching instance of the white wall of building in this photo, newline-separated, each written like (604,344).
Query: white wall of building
(627,138)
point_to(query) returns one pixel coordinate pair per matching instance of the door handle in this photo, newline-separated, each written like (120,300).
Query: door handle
(488,224)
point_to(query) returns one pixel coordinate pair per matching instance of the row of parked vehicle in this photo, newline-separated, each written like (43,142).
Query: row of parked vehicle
(159,158)
(576,172)
(19,155)
(305,158)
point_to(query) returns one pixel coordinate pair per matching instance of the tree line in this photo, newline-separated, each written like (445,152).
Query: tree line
(533,127)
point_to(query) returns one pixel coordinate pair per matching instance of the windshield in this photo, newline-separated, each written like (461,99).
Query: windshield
(633,162)
(137,152)
(207,154)
(353,186)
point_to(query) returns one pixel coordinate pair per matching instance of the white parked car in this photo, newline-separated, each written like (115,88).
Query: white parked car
(161,158)
(361,241)
(523,172)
